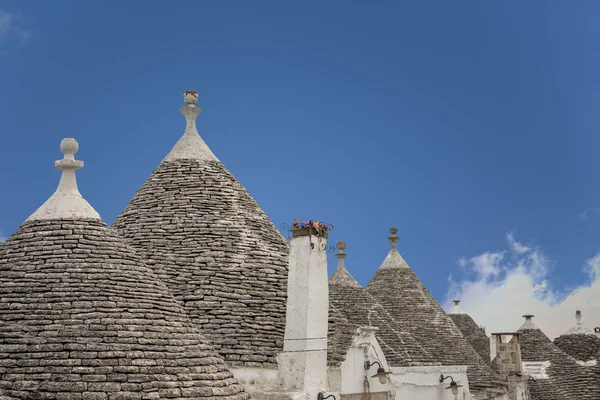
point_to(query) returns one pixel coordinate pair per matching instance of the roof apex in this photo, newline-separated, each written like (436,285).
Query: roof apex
(393,259)
(579,327)
(191,146)
(457,309)
(528,323)
(341,276)
(66,202)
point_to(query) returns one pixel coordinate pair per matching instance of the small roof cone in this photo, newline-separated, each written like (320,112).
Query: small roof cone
(580,342)
(528,324)
(341,276)
(394,259)
(191,146)
(579,327)
(66,202)
(396,286)
(473,333)
(352,307)
(456,309)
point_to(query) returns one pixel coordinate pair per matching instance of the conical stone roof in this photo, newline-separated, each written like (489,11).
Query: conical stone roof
(565,376)
(410,304)
(355,308)
(209,241)
(474,334)
(580,342)
(82,317)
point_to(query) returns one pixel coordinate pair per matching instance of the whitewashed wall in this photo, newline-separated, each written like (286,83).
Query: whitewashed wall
(423,383)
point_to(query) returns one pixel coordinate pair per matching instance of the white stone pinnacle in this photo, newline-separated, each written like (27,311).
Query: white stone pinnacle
(528,323)
(66,202)
(394,259)
(457,309)
(341,276)
(579,327)
(191,146)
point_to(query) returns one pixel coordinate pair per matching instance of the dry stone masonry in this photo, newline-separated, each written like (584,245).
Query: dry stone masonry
(82,317)
(209,241)
(191,283)
(564,375)
(410,304)
(358,308)
(474,334)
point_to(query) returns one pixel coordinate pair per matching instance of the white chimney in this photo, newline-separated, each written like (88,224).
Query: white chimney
(303,362)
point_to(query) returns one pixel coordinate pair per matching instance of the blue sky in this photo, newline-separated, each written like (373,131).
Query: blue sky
(463,124)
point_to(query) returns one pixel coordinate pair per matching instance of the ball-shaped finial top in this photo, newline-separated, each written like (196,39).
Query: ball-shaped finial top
(393,231)
(190,97)
(340,245)
(69,146)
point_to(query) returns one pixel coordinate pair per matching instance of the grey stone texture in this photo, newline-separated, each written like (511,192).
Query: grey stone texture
(217,251)
(474,334)
(81,317)
(410,304)
(583,347)
(567,379)
(358,308)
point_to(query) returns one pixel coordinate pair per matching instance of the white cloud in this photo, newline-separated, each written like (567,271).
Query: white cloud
(516,246)
(506,285)
(11,29)
(583,215)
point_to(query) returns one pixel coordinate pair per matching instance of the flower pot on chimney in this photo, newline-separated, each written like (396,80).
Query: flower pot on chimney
(310,227)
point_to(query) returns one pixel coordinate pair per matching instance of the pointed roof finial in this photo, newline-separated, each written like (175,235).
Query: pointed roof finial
(190,97)
(528,322)
(341,276)
(341,246)
(393,239)
(394,259)
(579,328)
(66,202)
(456,309)
(191,146)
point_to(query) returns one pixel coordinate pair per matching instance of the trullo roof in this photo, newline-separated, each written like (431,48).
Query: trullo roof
(580,342)
(407,300)
(358,308)
(214,247)
(474,334)
(567,378)
(82,317)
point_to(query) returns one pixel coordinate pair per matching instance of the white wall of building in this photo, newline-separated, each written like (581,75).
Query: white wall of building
(423,383)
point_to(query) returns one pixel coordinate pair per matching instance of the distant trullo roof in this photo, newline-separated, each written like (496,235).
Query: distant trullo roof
(358,308)
(580,342)
(565,378)
(82,317)
(407,300)
(474,334)
(214,247)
